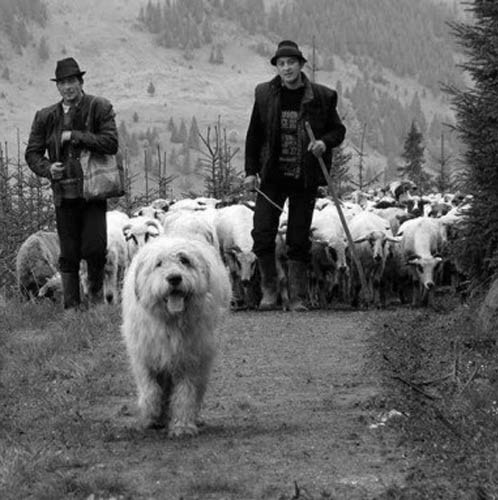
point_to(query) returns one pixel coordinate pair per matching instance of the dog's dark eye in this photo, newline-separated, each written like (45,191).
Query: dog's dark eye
(185,261)
(159,263)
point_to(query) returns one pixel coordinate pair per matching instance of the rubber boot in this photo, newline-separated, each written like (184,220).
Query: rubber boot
(95,284)
(298,285)
(71,290)
(268,271)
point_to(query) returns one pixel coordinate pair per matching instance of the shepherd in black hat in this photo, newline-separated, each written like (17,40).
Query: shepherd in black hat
(58,135)
(282,164)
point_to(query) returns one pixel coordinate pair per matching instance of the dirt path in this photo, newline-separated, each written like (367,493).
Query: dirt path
(292,399)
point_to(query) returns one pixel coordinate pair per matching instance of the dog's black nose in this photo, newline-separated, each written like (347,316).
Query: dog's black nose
(175,279)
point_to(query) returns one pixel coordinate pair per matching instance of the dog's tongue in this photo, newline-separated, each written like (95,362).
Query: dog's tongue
(175,303)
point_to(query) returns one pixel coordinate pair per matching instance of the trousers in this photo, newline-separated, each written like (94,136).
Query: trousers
(266,218)
(82,230)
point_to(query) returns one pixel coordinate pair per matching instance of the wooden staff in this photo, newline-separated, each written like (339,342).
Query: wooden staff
(363,281)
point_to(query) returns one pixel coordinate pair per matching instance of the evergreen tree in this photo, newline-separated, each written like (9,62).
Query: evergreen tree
(43,50)
(477,126)
(443,178)
(133,144)
(173,158)
(413,154)
(218,57)
(193,135)
(186,167)
(417,113)
(340,170)
(135,117)
(123,132)
(207,31)
(182,132)
(151,89)
(179,135)
(390,170)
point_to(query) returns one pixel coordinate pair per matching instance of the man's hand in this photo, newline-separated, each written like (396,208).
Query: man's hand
(251,183)
(56,170)
(317,148)
(66,136)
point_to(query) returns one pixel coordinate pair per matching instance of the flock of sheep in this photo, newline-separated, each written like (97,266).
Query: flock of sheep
(402,241)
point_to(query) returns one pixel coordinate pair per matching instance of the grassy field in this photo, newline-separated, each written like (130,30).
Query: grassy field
(287,411)
(300,406)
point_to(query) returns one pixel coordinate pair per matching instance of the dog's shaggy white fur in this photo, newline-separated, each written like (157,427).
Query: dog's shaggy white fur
(175,293)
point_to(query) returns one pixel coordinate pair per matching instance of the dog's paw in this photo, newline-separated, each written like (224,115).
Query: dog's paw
(153,424)
(183,431)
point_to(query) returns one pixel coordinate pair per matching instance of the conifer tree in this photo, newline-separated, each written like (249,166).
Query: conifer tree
(43,50)
(193,135)
(171,125)
(476,111)
(186,167)
(207,31)
(173,158)
(340,169)
(413,154)
(182,132)
(211,56)
(218,58)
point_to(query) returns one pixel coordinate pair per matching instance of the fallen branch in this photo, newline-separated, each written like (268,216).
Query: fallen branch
(472,376)
(435,380)
(415,387)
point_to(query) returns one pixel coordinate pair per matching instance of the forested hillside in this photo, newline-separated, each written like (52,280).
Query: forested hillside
(420,48)
(373,37)
(164,60)
(15,15)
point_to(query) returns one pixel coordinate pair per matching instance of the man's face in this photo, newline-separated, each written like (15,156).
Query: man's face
(289,69)
(71,89)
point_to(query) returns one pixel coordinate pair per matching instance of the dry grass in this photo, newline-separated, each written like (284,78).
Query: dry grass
(288,413)
(443,374)
(68,426)
(48,357)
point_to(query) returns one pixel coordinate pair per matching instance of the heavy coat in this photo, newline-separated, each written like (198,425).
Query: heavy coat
(44,146)
(318,107)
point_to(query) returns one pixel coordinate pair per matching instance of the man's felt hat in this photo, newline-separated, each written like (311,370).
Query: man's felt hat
(65,68)
(287,48)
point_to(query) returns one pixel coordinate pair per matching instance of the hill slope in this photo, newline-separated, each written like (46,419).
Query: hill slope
(121,61)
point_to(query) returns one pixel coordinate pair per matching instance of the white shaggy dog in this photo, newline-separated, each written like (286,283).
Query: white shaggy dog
(175,293)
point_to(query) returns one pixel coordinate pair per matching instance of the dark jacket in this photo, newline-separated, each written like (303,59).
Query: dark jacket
(263,135)
(44,147)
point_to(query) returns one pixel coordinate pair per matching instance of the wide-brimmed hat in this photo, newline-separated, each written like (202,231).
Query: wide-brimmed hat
(65,68)
(287,48)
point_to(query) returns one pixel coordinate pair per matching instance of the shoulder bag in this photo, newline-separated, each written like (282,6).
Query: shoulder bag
(103,174)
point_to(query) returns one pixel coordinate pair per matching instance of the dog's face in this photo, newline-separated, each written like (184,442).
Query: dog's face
(170,274)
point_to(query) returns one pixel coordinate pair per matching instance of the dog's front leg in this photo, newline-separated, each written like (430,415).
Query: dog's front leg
(150,397)
(184,407)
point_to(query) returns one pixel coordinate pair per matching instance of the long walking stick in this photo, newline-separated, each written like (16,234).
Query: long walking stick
(363,281)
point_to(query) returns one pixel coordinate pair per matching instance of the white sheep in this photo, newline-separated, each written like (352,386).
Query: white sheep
(234,225)
(195,224)
(116,255)
(138,231)
(36,262)
(52,289)
(157,209)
